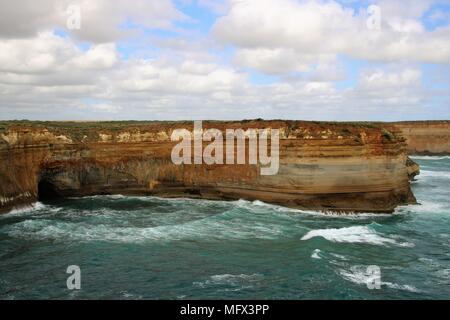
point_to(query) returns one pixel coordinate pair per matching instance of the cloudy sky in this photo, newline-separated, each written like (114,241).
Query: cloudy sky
(224,59)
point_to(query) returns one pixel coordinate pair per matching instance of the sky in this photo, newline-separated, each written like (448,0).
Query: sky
(380,60)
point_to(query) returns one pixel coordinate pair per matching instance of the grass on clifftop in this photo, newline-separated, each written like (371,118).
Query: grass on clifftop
(78,130)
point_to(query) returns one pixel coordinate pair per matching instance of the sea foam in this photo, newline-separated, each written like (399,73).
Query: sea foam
(355,234)
(434,174)
(26,209)
(315,254)
(359,275)
(430,157)
(235,281)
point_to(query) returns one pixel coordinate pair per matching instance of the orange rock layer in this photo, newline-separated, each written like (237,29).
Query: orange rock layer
(426,137)
(343,167)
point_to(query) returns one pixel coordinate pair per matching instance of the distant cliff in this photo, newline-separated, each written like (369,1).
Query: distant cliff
(426,137)
(350,167)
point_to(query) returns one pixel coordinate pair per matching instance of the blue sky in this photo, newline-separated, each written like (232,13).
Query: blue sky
(204,59)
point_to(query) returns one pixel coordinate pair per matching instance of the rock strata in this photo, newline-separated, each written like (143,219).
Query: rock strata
(426,137)
(339,167)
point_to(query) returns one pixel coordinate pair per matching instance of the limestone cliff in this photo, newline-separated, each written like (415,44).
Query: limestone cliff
(426,137)
(350,167)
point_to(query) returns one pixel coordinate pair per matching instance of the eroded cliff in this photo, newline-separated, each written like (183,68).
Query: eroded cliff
(350,167)
(426,137)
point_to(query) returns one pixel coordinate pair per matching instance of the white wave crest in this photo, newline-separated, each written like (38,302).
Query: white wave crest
(258,205)
(238,281)
(315,254)
(232,278)
(359,275)
(216,227)
(434,174)
(348,215)
(424,207)
(429,157)
(27,209)
(356,234)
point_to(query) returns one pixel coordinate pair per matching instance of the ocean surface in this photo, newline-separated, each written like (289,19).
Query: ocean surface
(153,248)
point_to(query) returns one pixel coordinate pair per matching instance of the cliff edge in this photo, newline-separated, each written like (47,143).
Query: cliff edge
(343,167)
(426,137)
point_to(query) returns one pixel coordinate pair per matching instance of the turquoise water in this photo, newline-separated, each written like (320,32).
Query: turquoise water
(153,248)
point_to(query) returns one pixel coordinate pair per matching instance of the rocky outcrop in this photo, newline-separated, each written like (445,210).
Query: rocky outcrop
(426,137)
(413,168)
(351,167)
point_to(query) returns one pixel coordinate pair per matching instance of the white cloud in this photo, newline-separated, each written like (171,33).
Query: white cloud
(380,79)
(189,78)
(100,19)
(42,54)
(186,89)
(404,9)
(274,61)
(45,76)
(386,89)
(102,107)
(51,60)
(101,56)
(289,35)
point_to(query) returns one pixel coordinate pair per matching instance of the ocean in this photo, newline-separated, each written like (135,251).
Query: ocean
(130,247)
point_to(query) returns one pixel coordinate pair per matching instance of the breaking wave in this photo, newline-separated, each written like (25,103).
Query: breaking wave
(42,229)
(27,209)
(359,275)
(230,249)
(231,282)
(356,234)
(230,224)
(316,254)
(434,174)
(429,157)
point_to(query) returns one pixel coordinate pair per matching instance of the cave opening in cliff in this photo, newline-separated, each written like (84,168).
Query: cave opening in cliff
(47,191)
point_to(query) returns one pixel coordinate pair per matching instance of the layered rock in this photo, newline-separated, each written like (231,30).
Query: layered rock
(349,167)
(426,137)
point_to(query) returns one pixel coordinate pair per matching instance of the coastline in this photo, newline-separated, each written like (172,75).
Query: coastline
(324,166)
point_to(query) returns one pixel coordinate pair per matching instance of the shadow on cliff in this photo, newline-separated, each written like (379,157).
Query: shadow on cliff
(47,191)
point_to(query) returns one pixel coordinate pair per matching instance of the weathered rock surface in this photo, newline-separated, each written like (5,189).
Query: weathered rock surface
(351,167)
(426,137)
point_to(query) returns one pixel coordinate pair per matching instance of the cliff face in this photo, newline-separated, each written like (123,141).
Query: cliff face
(323,166)
(426,137)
